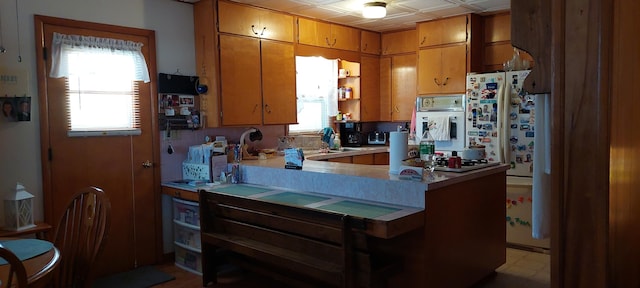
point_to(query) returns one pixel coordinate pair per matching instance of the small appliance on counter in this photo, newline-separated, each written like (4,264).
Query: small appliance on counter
(350,134)
(377,138)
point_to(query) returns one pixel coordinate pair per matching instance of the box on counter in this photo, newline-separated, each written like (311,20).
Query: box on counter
(293,158)
(410,173)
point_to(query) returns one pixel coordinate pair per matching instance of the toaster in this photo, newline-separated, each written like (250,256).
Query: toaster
(377,138)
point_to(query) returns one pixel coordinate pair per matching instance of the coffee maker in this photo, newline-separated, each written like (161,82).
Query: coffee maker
(350,134)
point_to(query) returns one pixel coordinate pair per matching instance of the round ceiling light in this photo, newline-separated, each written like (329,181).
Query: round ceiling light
(374,10)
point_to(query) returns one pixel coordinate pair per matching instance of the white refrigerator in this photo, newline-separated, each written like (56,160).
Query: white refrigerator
(500,116)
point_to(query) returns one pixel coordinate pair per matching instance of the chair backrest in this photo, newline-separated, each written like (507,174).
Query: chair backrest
(80,235)
(16,269)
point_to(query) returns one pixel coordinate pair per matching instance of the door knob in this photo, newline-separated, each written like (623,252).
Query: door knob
(147,164)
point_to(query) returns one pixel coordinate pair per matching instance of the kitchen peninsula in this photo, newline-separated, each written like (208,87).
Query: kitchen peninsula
(461,239)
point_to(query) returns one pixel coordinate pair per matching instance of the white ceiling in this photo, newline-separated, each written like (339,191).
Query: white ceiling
(401,14)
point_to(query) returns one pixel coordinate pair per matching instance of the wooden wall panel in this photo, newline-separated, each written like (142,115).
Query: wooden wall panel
(625,156)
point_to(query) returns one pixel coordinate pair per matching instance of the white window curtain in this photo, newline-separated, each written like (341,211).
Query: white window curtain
(127,52)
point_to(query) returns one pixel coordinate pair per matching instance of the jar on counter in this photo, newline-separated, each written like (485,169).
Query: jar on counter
(339,116)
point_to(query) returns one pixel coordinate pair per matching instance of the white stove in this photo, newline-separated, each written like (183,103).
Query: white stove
(467,165)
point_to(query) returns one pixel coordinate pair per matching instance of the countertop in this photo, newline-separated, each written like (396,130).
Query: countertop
(358,181)
(369,182)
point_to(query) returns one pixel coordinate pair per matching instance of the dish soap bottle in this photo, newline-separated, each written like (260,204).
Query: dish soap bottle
(336,142)
(427,151)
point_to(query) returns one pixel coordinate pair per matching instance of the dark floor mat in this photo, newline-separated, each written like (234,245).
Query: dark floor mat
(141,277)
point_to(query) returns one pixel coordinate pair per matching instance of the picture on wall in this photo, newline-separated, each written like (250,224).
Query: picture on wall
(16,105)
(16,109)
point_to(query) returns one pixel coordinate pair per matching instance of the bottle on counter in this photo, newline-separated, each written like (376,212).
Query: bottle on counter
(427,151)
(336,142)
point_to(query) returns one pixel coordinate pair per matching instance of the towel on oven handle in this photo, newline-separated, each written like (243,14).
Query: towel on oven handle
(439,127)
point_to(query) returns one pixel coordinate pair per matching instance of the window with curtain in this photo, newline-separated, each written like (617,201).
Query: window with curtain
(102,77)
(317,96)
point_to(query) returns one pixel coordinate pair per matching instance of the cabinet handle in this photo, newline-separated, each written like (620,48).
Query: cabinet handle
(397,109)
(445,81)
(256,33)
(147,164)
(424,39)
(365,47)
(266,108)
(334,42)
(255,108)
(436,81)
(326,39)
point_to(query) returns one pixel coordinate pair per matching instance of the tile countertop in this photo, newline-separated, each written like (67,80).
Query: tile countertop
(367,182)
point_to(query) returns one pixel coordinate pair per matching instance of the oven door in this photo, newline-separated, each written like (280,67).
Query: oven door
(456,129)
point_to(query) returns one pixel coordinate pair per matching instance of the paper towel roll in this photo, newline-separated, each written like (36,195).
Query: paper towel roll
(398,142)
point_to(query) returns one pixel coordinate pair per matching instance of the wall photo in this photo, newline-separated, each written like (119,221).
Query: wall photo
(14,88)
(16,109)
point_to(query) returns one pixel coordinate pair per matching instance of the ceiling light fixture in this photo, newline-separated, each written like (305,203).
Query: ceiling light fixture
(374,10)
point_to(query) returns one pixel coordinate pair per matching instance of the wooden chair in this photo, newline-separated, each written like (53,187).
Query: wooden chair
(16,269)
(80,235)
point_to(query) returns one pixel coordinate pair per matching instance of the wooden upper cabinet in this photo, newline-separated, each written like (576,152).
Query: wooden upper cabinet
(403,86)
(399,42)
(345,38)
(315,33)
(442,31)
(241,97)
(442,70)
(370,42)
(322,34)
(497,28)
(254,22)
(278,83)
(370,88)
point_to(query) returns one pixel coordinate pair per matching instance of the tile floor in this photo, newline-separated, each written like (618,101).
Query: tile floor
(524,269)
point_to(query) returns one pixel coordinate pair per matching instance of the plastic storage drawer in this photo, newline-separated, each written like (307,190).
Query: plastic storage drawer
(187,236)
(188,260)
(186,212)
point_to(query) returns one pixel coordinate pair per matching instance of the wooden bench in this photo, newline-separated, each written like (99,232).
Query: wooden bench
(299,246)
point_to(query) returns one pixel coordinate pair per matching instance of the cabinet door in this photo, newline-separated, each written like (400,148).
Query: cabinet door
(345,38)
(429,71)
(381,158)
(369,42)
(277,26)
(344,159)
(444,31)
(454,30)
(497,28)
(454,69)
(366,159)
(311,32)
(399,42)
(385,89)
(403,91)
(278,83)
(238,19)
(241,98)
(370,88)
(254,22)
